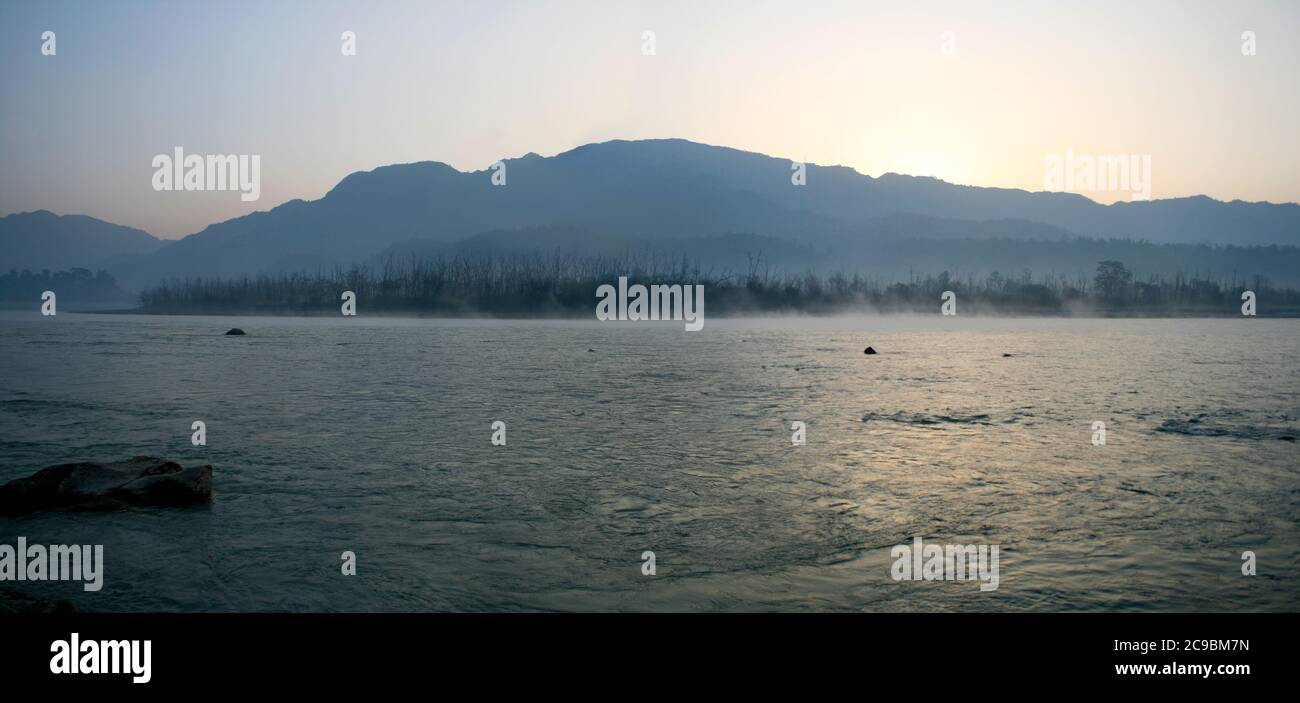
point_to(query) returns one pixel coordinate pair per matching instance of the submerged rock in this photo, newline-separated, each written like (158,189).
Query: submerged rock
(870,350)
(142,480)
(235,330)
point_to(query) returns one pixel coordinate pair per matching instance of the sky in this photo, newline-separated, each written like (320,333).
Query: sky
(979,93)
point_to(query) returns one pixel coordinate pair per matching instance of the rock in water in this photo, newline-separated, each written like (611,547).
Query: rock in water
(142,480)
(870,350)
(235,330)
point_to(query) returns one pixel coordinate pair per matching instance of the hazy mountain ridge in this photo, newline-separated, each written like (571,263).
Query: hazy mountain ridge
(674,193)
(43,240)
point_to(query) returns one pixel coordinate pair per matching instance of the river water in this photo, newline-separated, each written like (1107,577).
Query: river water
(374,435)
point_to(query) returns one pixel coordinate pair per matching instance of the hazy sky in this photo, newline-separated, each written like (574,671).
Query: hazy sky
(859,83)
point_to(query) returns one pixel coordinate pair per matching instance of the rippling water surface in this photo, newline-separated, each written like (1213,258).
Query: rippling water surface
(373,435)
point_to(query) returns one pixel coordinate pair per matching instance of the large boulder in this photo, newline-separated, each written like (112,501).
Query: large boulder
(142,480)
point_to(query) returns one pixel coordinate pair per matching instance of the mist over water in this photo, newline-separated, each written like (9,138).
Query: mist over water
(373,435)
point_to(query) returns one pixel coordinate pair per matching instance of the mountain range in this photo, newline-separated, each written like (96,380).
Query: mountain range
(720,204)
(43,240)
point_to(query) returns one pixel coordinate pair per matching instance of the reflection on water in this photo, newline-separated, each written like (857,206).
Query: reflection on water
(373,435)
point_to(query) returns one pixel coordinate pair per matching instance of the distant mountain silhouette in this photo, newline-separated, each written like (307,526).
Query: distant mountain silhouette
(671,192)
(43,240)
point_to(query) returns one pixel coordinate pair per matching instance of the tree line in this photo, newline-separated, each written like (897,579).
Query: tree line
(565,284)
(75,285)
